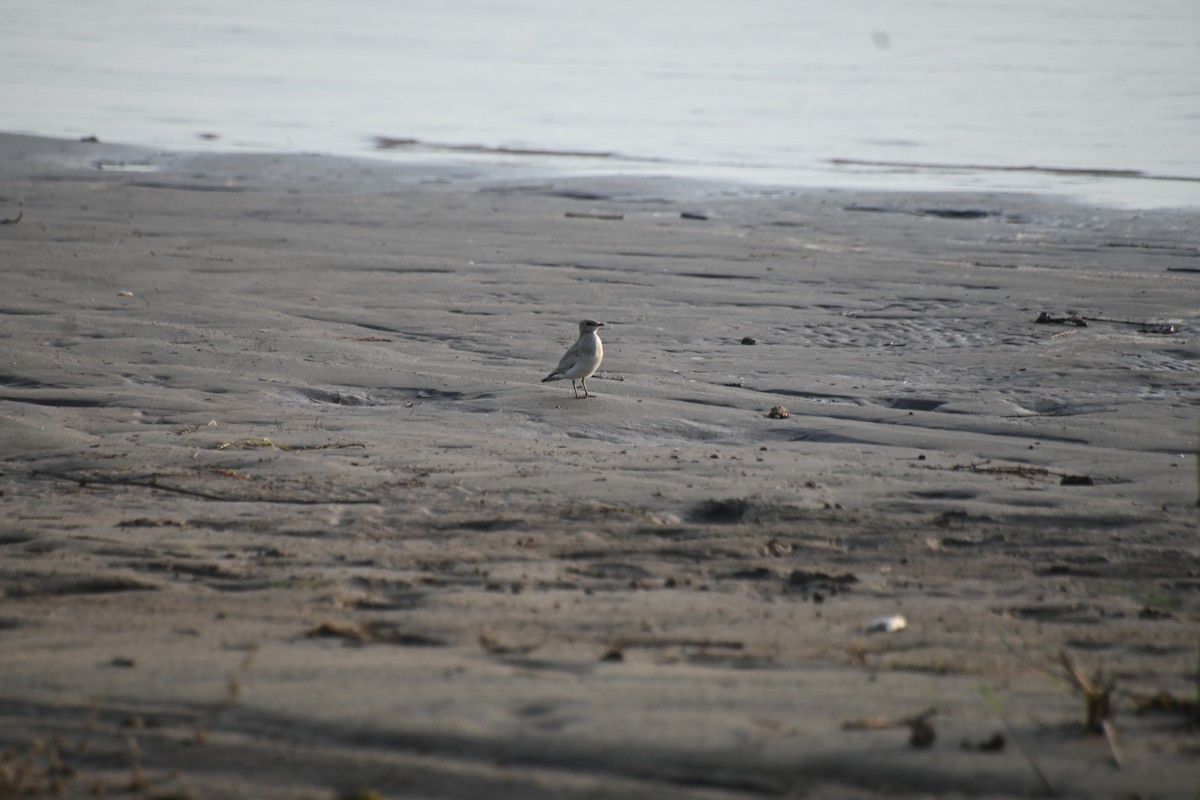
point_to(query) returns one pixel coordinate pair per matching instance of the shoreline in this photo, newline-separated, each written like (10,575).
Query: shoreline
(1118,190)
(279,418)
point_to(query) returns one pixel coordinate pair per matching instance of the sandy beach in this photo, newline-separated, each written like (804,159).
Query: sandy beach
(287,512)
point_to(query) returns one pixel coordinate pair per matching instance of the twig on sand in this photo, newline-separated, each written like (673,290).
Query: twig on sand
(582,215)
(921,732)
(264,441)
(152,482)
(1081,321)
(1097,696)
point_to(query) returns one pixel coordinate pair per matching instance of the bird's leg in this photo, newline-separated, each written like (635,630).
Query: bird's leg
(573,388)
(585,391)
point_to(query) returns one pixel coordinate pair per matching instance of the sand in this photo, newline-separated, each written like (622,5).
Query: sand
(287,511)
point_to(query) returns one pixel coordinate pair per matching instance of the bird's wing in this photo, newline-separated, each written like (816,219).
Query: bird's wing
(568,360)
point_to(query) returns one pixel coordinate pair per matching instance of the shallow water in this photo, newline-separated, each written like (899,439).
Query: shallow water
(922,94)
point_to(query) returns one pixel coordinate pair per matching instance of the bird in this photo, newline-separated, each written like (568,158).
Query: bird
(582,359)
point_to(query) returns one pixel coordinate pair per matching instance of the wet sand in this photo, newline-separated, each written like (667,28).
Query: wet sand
(288,513)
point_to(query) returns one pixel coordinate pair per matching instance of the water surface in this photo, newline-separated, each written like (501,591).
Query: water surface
(918,94)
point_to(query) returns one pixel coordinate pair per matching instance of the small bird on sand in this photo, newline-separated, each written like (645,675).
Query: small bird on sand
(582,359)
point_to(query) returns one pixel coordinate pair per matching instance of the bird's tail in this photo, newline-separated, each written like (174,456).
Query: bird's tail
(553,376)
